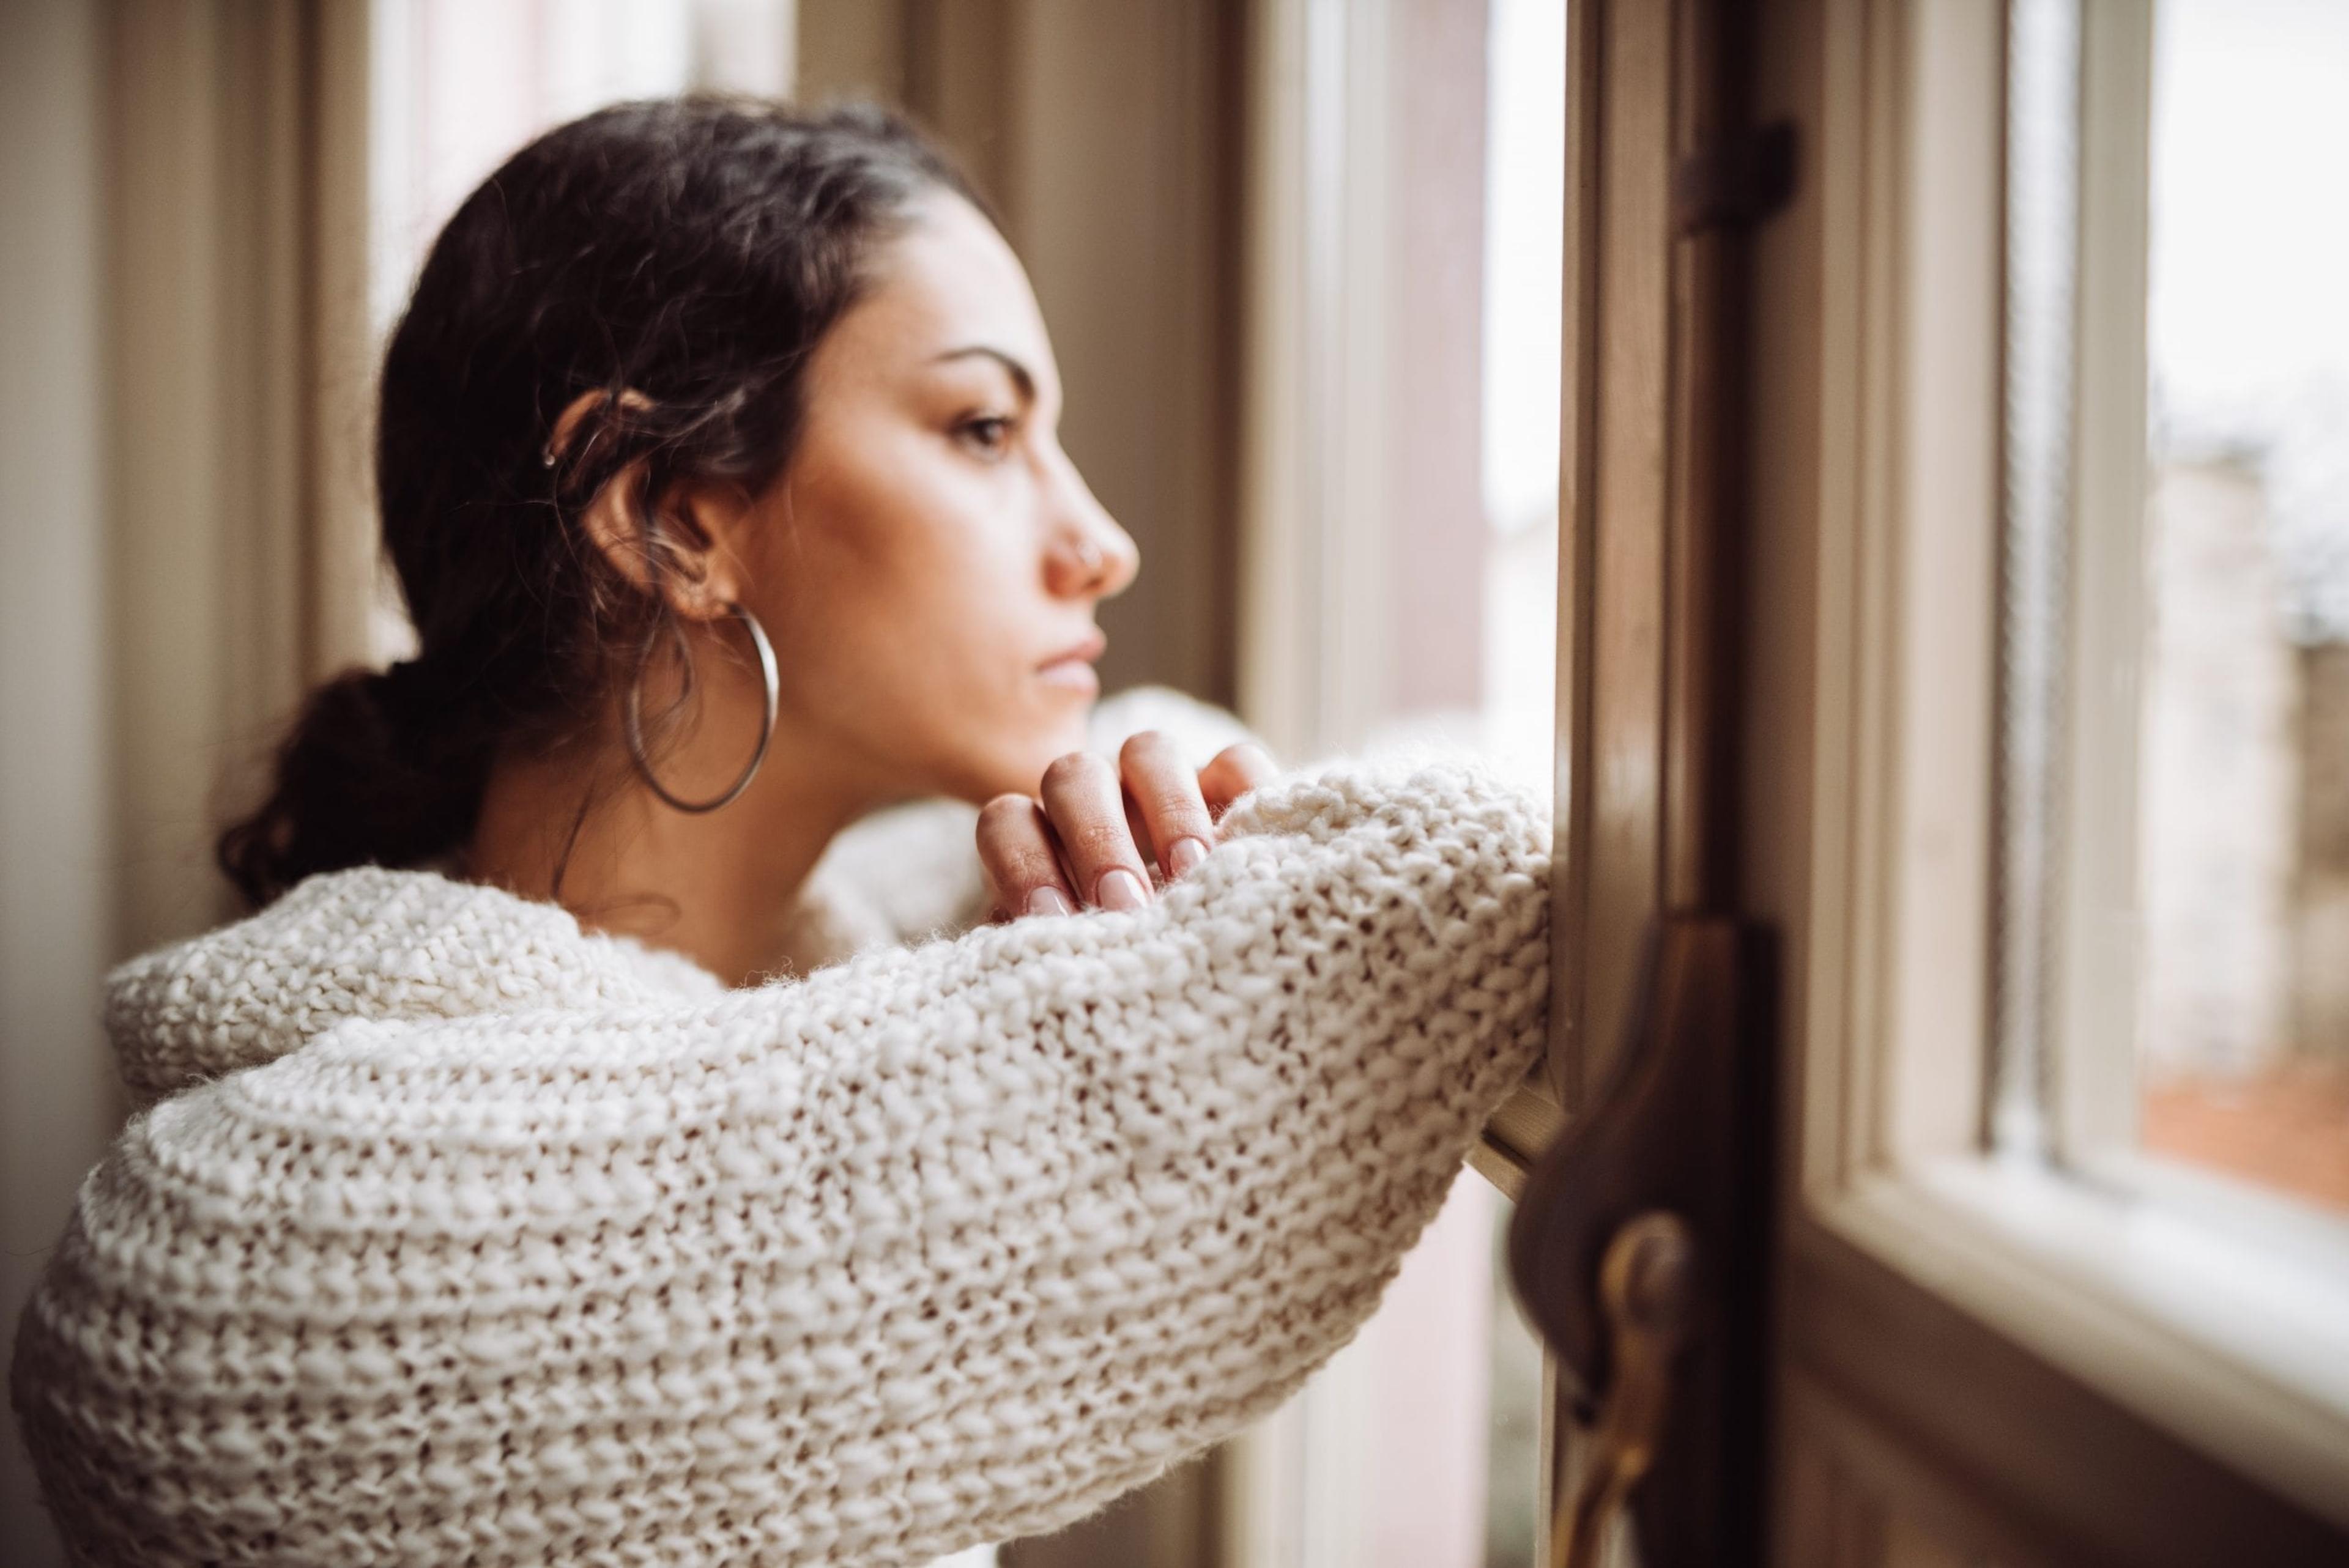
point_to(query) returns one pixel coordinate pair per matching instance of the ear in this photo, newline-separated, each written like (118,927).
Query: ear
(685,547)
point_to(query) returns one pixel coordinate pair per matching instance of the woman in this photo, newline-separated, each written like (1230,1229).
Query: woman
(523,1184)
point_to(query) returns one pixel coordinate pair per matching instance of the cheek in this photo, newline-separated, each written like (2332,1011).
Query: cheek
(914,603)
(920,578)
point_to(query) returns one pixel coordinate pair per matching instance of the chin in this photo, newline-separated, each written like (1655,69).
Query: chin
(1013,768)
(1047,746)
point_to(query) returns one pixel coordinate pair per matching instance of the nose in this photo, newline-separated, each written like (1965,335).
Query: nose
(1089,556)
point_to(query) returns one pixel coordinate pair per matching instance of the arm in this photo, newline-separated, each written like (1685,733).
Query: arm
(940,1245)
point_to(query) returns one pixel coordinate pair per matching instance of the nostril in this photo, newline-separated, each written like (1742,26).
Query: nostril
(1079,566)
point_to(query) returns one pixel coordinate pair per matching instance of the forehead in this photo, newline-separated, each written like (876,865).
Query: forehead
(947,281)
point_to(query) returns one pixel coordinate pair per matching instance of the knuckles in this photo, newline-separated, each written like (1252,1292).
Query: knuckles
(1074,769)
(1100,842)
(1177,805)
(1006,815)
(1147,748)
(1155,772)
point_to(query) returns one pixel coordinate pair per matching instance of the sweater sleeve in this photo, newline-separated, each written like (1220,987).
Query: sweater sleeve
(938,1246)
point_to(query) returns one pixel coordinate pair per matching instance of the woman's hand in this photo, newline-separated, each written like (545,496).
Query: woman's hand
(1100,828)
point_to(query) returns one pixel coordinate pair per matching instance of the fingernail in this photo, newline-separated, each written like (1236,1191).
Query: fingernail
(1182,854)
(1048,901)
(1121,889)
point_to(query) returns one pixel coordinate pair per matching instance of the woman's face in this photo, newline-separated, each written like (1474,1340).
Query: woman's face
(928,564)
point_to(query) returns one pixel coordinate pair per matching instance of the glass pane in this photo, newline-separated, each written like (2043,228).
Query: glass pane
(1421,1440)
(1524,301)
(2171,963)
(1513,1419)
(2245,819)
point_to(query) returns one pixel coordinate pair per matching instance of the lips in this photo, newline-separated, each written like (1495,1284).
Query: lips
(1083,653)
(1073,667)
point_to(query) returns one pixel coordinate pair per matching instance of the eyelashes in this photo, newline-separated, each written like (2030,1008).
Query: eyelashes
(988,435)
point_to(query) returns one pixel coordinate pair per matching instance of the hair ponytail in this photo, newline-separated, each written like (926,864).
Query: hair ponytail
(692,252)
(369,774)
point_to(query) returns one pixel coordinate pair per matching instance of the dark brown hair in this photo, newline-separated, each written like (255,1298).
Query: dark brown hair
(692,252)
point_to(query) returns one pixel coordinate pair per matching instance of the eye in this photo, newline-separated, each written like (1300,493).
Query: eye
(988,435)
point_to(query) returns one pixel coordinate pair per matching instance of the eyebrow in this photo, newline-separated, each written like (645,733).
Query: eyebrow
(1020,376)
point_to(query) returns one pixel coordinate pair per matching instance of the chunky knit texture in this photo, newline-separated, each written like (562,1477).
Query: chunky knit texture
(460,1236)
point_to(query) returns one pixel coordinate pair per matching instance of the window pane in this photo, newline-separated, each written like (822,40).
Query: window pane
(2171,968)
(1421,1442)
(1512,1420)
(2245,822)
(1525,238)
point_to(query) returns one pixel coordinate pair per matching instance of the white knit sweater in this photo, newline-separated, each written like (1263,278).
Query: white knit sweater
(460,1236)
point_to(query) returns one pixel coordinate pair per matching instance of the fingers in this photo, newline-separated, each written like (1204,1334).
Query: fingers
(1088,817)
(1090,838)
(1236,771)
(1165,796)
(1022,862)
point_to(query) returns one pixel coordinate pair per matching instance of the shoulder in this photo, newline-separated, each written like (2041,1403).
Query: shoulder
(366,943)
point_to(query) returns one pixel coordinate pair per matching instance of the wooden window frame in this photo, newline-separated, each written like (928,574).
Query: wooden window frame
(1998,1346)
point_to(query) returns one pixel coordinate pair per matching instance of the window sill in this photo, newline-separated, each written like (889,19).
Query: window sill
(2203,1329)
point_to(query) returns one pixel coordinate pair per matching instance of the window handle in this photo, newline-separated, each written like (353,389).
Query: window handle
(1638,1249)
(1646,1288)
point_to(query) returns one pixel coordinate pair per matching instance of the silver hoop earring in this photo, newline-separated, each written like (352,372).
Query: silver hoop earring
(633,720)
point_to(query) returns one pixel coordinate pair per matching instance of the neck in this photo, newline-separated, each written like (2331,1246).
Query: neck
(719,888)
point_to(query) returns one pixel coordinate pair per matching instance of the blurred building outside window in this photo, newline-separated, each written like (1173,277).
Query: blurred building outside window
(2244,764)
